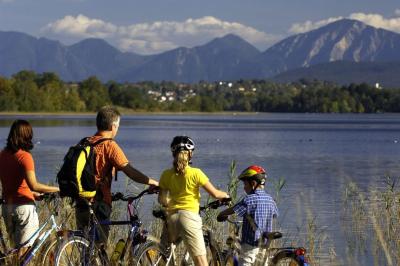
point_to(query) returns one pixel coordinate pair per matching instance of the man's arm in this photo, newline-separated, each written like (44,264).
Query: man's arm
(138,176)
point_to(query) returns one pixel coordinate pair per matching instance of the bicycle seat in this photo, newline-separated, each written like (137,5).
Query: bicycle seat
(272,235)
(160,214)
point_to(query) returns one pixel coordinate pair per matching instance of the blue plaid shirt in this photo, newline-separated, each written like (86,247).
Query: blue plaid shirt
(262,208)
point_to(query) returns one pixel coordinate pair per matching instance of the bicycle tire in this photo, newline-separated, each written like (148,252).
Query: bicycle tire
(286,258)
(75,251)
(49,253)
(44,256)
(231,260)
(128,258)
(151,254)
(214,257)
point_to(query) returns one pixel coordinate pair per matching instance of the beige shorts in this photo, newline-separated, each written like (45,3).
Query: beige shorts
(189,226)
(21,222)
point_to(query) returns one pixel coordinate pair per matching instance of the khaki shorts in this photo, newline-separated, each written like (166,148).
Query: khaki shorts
(188,225)
(21,222)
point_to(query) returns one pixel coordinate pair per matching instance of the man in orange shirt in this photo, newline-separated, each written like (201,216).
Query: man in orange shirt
(109,158)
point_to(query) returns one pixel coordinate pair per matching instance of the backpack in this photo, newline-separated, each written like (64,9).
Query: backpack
(76,177)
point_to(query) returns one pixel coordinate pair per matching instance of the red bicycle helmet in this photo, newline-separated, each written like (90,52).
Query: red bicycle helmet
(254,172)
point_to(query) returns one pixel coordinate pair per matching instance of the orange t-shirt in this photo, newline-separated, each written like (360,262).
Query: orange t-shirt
(108,156)
(13,169)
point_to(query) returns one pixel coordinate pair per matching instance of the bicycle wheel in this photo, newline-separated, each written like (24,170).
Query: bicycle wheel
(214,257)
(129,257)
(151,254)
(45,256)
(231,260)
(75,251)
(286,258)
(49,253)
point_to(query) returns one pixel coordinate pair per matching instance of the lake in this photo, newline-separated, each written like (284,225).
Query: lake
(317,155)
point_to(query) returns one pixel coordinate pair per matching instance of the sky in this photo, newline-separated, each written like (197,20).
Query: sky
(155,26)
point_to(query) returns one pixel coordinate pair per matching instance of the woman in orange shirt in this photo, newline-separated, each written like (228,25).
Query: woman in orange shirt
(19,185)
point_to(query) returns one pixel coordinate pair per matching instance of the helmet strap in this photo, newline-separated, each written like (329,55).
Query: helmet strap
(190,157)
(259,183)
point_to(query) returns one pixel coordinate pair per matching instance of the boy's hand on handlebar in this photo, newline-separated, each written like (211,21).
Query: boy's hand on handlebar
(222,218)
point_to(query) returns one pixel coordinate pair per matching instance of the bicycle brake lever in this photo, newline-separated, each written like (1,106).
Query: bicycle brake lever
(226,201)
(117,196)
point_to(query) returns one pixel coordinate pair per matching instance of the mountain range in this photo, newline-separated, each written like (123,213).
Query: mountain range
(350,43)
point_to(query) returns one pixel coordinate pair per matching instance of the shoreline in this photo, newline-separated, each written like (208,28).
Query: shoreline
(124,112)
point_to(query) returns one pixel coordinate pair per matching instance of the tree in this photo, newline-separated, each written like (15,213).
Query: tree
(7,96)
(94,94)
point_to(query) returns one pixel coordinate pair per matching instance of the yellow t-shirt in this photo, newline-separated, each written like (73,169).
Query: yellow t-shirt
(183,189)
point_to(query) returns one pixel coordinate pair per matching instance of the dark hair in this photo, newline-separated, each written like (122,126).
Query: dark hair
(20,136)
(106,116)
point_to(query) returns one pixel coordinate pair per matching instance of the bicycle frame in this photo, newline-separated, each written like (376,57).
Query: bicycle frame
(40,239)
(41,236)
(135,236)
(268,254)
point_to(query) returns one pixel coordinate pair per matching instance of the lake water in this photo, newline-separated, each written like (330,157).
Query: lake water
(317,155)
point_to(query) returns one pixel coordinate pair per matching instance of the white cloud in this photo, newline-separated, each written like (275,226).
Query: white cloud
(158,36)
(81,26)
(375,20)
(378,21)
(309,25)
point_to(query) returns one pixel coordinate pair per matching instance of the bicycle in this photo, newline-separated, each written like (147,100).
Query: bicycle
(79,247)
(42,241)
(154,253)
(267,256)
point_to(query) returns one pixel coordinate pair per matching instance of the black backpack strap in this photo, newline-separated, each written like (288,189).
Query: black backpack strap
(84,141)
(100,141)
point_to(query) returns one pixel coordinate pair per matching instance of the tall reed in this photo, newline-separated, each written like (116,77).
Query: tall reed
(374,219)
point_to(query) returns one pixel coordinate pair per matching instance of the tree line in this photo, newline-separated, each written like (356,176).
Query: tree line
(27,91)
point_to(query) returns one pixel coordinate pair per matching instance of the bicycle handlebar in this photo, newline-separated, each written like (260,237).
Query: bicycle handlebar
(161,213)
(45,196)
(49,196)
(216,204)
(120,196)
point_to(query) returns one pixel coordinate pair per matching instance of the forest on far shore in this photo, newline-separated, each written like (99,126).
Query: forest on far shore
(28,91)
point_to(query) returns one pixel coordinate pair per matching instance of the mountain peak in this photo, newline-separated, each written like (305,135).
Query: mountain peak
(93,43)
(231,42)
(346,39)
(227,39)
(344,25)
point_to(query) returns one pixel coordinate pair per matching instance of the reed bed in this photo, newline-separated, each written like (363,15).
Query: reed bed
(370,219)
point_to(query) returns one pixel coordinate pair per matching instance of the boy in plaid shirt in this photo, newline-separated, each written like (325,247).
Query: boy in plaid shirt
(257,208)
